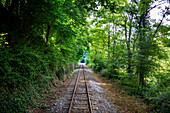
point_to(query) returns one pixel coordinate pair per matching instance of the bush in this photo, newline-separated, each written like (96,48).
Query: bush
(162,102)
(105,72)
(24,73)
(21,66)
(99,63)
(87,60)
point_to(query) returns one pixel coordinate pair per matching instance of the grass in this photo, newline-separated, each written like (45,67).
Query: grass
(72,74)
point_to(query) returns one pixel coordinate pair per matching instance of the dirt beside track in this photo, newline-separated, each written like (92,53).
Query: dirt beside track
(106,97)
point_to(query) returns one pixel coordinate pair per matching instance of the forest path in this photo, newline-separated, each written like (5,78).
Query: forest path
(98,97)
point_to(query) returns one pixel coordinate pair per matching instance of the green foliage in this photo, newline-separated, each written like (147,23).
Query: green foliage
(124,47)
(162,101)
(41,39)
(25,72)
(72,73)
(87,60)
(20,67)
(39,42)
(98,63)
(112,71)
(20,64)
(166,42)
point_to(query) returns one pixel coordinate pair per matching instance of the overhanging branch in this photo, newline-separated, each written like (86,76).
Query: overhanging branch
(160,22)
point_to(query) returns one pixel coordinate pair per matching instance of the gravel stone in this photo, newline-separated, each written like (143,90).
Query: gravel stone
(98,96)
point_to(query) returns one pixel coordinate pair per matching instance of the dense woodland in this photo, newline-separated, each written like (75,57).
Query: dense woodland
(43,40)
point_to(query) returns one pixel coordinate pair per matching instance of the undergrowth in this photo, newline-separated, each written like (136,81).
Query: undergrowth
(154,93)
(26,74)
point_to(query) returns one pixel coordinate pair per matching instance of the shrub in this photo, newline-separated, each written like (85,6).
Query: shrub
(105,72)
(99,63)
(24,72)
(87,60)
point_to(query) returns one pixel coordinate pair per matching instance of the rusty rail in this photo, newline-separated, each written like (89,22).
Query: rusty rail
(75,88)
(89,101)
(87,92)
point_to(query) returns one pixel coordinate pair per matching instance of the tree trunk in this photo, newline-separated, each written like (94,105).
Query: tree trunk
(108,45)
(114,40)
(114,44)
(48,33)
(128,46)
(141,53)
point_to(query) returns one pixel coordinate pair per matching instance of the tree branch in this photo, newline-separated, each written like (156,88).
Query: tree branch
(135,1)
(155,7)
(160,22)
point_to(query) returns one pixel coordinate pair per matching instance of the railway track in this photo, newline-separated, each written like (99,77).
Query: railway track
(82,95)
(80,101)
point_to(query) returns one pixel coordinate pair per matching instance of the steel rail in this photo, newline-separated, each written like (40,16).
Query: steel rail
(89,101)
(87,92)
(75,88)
